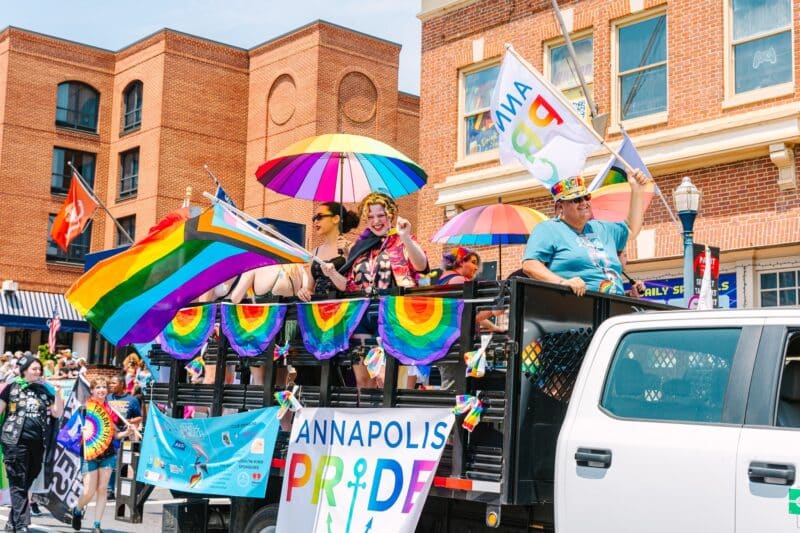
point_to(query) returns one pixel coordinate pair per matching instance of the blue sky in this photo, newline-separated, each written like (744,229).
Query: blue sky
(245,23)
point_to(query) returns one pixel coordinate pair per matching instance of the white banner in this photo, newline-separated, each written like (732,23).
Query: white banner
(537,126)
(361,470)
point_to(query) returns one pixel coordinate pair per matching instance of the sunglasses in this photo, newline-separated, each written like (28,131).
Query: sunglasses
(587,198)
(320,216)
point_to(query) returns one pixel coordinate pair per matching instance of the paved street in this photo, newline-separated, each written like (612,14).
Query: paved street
(152,517)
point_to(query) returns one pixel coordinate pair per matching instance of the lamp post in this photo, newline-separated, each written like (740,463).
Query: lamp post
(687,202)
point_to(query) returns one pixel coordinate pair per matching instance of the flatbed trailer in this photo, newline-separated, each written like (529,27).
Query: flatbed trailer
(501,474)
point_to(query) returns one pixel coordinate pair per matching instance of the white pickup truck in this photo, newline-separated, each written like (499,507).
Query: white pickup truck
(684,422)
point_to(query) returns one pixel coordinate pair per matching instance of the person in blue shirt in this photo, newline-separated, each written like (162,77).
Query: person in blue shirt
(577,251)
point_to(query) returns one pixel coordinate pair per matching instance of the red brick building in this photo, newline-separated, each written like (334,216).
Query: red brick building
(141,122)
(705,89)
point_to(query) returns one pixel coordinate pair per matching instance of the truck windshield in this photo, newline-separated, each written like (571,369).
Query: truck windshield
(679,375)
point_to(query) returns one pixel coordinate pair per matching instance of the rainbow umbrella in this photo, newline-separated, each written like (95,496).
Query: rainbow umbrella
(488,225)
(342,168)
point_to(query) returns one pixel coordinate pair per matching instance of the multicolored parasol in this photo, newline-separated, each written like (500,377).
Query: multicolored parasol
(99,424)
(341,168)
(494,224)
(612,202)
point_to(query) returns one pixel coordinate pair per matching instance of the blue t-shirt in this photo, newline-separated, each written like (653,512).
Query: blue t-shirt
(125,404)
(590,255)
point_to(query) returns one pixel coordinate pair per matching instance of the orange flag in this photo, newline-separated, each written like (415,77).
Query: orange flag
(74,215)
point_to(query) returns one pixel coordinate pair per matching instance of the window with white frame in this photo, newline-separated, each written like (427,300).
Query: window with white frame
(479,134)
(564,77)
(642,67)
(761,43)
(779,289)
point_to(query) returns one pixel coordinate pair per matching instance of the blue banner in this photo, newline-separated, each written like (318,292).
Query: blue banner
(670,291)
(225,455)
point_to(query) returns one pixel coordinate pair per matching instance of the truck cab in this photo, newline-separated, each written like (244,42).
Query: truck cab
(684,421)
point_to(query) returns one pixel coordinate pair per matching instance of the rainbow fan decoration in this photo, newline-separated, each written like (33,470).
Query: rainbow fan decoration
(327,326)
(195,367)
(98,421)
(419,330)
(188,331)
(251,328)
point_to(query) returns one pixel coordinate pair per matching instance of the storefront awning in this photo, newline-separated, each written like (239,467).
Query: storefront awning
(32,310)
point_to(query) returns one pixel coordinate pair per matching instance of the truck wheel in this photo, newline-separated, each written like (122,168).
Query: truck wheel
(265,520)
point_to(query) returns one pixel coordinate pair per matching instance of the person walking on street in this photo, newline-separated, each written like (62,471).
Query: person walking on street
(26,404)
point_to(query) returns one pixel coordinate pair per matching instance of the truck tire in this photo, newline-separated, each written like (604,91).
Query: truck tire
(265,520)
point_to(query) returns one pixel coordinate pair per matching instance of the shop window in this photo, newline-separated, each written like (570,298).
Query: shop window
(761,43)
(77,250)
(61,177)
(129,225)
(779,289)
(128,173)
(562,72)
(477,126)
(132,110)
(641,78)
(77,106)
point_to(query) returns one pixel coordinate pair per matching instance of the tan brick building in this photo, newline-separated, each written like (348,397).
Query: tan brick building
(141,123)
(703,89)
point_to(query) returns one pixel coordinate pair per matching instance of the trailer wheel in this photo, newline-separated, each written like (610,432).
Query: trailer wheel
(265,520)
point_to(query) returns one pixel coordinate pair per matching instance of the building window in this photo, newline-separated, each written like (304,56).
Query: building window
(77,250)
(477,125)
(132,111)
(61,178)
(128,173)
(642,67)
(129,225)
(761,43)
(563,76)
(76,106)
(780,289)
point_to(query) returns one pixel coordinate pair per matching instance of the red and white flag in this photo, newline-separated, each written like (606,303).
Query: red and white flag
(55,325)
(74,215)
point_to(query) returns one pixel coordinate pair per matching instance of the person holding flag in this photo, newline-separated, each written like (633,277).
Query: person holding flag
(25,405)
(100,426)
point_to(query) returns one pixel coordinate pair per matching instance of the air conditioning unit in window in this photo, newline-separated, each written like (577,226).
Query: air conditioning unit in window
(10,285)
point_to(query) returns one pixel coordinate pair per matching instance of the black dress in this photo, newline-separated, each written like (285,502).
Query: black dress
(323,286)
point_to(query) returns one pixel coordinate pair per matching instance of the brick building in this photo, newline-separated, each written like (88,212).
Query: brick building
(705,89)
(141,122)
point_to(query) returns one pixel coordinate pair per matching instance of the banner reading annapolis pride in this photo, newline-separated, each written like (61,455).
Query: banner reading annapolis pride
(536,126)
(226,455)
(357,470)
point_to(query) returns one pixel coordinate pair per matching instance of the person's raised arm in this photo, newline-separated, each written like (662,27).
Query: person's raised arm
(339,280)
(416,255)
(637,180)
(57,409)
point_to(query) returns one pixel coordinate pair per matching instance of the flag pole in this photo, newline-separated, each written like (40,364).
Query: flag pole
(566,104)
(99,202)
(213,177)
(277,234)
(573,56)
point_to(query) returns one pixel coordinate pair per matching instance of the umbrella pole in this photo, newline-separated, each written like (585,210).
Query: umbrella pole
(499,261)
(341,193)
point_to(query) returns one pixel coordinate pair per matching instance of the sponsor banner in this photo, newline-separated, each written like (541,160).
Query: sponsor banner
(63,480)
(225,455)
(354,470)
(670,291)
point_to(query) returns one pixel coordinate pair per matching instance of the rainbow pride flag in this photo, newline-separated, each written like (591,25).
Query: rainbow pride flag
(188,331)
(327,326)
(132,296)
(418,330)
(251,328)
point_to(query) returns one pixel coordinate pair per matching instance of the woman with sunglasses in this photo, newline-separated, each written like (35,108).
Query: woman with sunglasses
(578,251)
(331,222)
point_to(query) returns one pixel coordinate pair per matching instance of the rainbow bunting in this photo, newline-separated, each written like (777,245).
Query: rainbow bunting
(327,326)
(250,328)
(132,296)
(188,331)
(100,427)
(419,330)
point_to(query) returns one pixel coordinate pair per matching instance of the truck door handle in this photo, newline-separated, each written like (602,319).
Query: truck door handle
(773,474)
(593,458)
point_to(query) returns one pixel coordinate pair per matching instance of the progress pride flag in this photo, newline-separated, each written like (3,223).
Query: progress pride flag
(536,126)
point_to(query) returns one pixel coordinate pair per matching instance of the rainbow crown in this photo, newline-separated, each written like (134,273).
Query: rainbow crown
(569,188)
